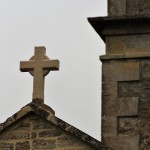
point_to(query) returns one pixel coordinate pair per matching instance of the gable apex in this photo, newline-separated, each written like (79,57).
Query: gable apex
(45,112)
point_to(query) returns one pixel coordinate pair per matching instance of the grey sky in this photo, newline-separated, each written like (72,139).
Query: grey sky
(61,26)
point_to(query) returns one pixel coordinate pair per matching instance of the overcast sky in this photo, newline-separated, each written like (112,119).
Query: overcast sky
(73,92)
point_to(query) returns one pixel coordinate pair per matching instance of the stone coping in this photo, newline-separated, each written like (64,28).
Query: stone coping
(47,113)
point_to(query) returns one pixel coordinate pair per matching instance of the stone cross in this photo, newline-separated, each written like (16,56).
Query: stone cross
(39,66)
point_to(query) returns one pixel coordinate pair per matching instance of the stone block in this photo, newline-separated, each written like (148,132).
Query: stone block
(138,7)
(87,148)
(109,126)
(128,126)
(114,45)
(22,126)
(122,142)
(129,89)
(15,136)
(145,142)
(144,110)
(33,135)
(43,144)
(120,71)
(68,141)
(116,8)
(109,89)
(145,91)
(137,43)
(127,106)
(145,69)
(119,32)
(125,45)
(109,106)
(42,124)
(6,146)
(128,7)
(23,145)
(132,7)
(144,126)
(120,107)
(50,133)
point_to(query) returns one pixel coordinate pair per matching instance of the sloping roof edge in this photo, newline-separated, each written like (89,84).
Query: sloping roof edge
(47,113)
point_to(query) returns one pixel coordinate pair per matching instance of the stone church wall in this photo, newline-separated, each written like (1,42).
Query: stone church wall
(32,132)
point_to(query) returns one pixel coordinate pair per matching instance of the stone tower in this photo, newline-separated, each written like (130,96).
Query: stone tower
(125,74)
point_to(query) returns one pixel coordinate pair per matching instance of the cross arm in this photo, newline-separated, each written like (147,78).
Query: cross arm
(51,64)
(26,66)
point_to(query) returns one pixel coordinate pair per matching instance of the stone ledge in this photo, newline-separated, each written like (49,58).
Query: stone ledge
(128,56)
(102,24)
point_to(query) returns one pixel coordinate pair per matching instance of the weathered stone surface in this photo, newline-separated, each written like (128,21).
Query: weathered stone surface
(23,125)
(138,7)
(109,106)
(44,144)
(112,47)
(129,7)
(126,109)
(120,71)
(143,124)
(144,111)
(65,141)
(121,96)
(116,8)
(128,89)
(23,145)
(145,69)
(6,146)
(122,142)
(127,106)
(109,126)
(109,89)
(128,126)
(15,136)
(145,142)
(50,133)
(33,135)
(38,125)
(125,45)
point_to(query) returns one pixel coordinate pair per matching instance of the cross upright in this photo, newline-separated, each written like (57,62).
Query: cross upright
(39,66)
